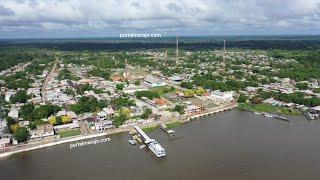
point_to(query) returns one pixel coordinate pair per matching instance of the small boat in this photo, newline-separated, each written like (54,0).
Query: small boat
(257,113)
(132,142)
(310,116)
(142,146)
(268,115)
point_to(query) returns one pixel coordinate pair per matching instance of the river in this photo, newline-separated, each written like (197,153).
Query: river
(229,145)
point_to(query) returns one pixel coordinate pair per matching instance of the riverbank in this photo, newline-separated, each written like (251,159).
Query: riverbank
(146,127)
(67,140)
(268,108)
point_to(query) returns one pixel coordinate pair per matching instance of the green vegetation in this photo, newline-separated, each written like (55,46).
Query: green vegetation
(88,104)
(173,124)
(81,89)
(302,86)
(34,124)
(21,134)
(148,94)
(122,102)
(242,98)
(21,97)
(297,98)
(119,87)
(17,80)
(69,133)
(66,74)
(31,113)
(179,109)
(150,129)
(121,117)
(146,113)
(163,90)
(268,108)
(100,73)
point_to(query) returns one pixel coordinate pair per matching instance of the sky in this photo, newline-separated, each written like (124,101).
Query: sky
(105,18)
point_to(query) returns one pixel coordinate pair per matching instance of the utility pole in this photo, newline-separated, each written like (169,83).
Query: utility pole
(224,49)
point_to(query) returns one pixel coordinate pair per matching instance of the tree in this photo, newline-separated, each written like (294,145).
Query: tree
(119,87)
(59,120)
(20,96)
(21,134)
(188,93)
(255,100)
(200,91)
(147,94)
(122,116)
(242,98)
(137,83)
(10,122)
(302,86)
(179,109)
(66,119)
(14,127)
(146,113)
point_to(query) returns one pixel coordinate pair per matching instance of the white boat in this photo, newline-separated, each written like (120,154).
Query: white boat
(142,146)
(157,149)
(268,115)
(257,113)
(132,142)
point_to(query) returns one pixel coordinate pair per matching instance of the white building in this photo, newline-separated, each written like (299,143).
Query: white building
(4,142)
(73,125)
(154,82)
(14,113)
(103,125)
(223,96)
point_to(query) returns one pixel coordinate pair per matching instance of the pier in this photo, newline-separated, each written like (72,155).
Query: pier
(152,144)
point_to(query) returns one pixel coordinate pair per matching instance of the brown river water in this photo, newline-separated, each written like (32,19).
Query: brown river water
(228,145)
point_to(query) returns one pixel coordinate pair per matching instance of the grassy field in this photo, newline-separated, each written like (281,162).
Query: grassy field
(150,129)
(173,124)
(268,108)
(69,133)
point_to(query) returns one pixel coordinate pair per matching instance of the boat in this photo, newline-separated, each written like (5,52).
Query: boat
(157,149)
(310,116)
(268,115)
(142,146)
(257,113)
(132,142)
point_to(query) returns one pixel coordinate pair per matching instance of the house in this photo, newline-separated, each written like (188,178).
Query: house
(160,102)
(3,126)
(190,109)
(73,116)
(166,115)
(73,125)
(103,125)
(133,88)
(105,114)
(154,82)
(223,96)
(4,142)
(14,113)
(42,131)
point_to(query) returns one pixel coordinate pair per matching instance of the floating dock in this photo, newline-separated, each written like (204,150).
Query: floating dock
(152,144)
(164,128)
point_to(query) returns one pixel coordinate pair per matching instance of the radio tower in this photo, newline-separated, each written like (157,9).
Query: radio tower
(224,49)
(177,50)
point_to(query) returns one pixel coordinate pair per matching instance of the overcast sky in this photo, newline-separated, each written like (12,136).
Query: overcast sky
(96,18)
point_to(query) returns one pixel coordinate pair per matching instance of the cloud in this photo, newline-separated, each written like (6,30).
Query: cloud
(5,11)
(165,16)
